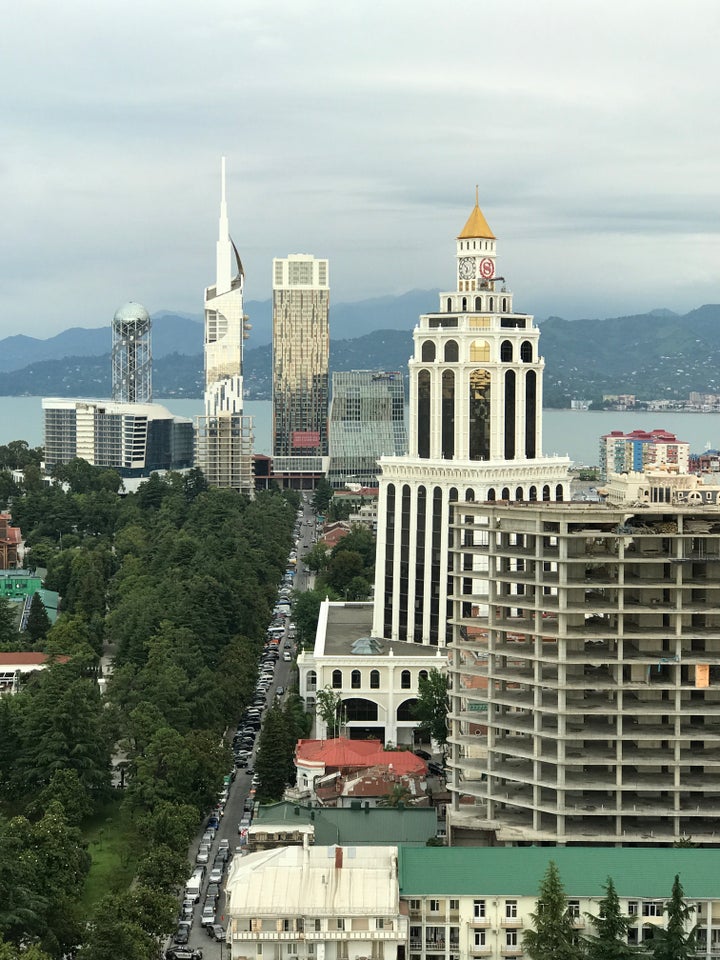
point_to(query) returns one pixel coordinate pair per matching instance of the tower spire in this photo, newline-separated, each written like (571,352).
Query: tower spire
(224,245)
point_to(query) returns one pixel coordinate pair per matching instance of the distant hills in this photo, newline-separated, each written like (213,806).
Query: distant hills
(657,354)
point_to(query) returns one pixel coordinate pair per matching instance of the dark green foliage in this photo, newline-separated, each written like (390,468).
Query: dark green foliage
(8,623)
(129,924)
(611,929)
(66,790)
(282,728)
(675,942)
(322,497)
(306,612)
(552,936)
(163,869)
(38,622)
(432,706)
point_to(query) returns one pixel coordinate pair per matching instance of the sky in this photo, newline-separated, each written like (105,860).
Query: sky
(357,131)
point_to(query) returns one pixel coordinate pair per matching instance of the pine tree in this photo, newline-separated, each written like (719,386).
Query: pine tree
(611,929)
(554,936)
(674,943)
(38,622)
(8,622)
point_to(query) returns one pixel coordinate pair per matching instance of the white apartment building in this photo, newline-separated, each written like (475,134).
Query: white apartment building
(315,903)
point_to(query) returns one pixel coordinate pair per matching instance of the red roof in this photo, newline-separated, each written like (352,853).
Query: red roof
(26,659)
(342,753)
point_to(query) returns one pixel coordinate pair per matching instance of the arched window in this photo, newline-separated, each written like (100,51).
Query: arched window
(423,675)
(509,414)
(427,351)
(491,493)
(478,303)
(559,493)
(479,415)
(451,351)
(355,680)
(492,304)
(546,493)
(530,413)
(423,410)
(311,680)
(504,304)
(519,494)
(526,351)
(360,710)
(337,679)
(480,351)
(405,680)
(448,305)
(506,351)
(447,440)
(406,710)
(469,495)
(374,679)
(464,304)
(505,495)
(532,495)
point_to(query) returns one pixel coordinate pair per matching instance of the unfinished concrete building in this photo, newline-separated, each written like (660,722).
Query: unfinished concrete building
(585,703)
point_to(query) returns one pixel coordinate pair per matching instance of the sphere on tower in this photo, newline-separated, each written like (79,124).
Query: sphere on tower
(131,355)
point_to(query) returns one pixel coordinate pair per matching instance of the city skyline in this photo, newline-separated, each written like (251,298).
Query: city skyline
(361,137)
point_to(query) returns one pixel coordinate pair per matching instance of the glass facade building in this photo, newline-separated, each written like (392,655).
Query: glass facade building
(301,351)
(367,421)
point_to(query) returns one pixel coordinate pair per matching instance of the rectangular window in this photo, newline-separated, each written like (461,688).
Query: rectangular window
(632,908)
(479,909)
(434,906)
(454,904)
(511,909)
(479,938)
(340,923)
(258,949)
(652,908)
(511,938)
(380,923)
(292,949)
(573,909)
(317,924)
(310,949)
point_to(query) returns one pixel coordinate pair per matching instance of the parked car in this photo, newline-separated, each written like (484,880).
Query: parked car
(203,854)
(216,875)
(182,934)
(209,835)
(216,931)
(213,892)
(287,657)
(208,912)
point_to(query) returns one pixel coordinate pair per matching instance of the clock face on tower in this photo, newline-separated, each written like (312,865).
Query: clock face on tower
(487,268)
(466,268)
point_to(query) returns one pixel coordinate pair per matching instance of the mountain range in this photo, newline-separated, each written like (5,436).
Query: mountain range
(659,354)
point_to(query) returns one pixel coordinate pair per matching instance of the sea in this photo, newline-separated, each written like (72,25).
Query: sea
(572,433)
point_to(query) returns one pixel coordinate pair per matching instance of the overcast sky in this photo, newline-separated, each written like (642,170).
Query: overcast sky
(357,131)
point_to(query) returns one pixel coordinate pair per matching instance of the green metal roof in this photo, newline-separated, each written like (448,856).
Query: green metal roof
(642,872)
(374,825)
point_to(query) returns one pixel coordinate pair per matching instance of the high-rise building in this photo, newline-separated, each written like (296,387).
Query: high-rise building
(475,435)
(585,702)
(367,421)
(132,438)
(224,434)
(131,355)
(301,349)
(624,452)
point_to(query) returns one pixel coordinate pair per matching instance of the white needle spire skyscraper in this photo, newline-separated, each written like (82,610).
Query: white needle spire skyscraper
(224,434)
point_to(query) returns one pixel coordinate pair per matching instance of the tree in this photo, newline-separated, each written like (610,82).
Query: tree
(317,558)
(675,942)
(274,757)
(611,929)
(306,612)
(65,788)
(328,704)
(554,937)
(322,497)
(38,622)
(433,705)
(8,622)
(163,869)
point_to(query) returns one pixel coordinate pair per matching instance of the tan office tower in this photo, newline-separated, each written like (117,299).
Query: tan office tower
(301,349)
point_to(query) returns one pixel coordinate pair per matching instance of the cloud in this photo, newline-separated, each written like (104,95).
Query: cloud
(357,131)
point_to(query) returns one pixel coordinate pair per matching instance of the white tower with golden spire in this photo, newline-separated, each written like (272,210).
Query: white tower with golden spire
(475,434)
(224,434)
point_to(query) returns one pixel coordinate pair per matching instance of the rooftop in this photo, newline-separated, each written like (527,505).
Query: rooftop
(349,622)
(518,871)
(359,825)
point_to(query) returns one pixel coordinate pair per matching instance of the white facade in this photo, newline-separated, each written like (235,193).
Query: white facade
(377,679)
(475,434)
(315,903)
(224,435)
